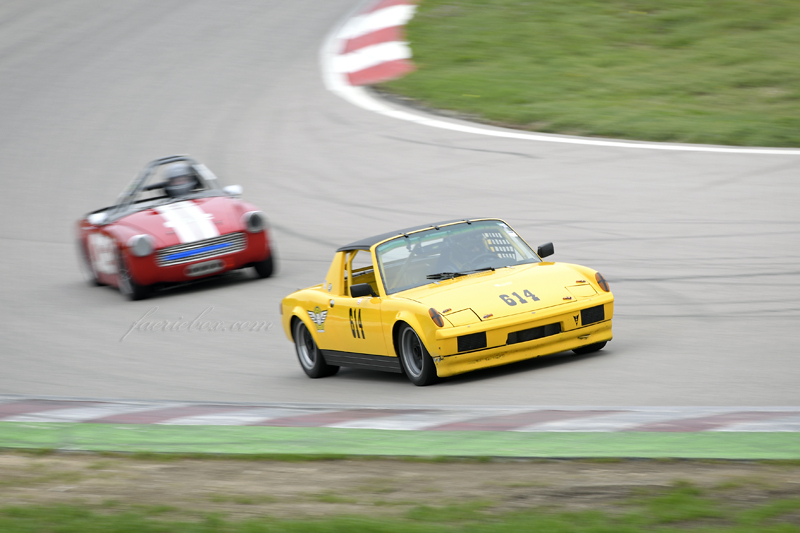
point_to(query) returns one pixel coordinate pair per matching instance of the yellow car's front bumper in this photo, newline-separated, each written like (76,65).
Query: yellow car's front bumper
(502,355)
(500,350)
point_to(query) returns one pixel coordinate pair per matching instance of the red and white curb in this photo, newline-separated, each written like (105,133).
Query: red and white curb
(371,46)
(368,47)
(526,419)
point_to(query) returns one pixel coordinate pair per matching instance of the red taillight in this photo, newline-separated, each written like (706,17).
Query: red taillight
(601,281)
(436,317)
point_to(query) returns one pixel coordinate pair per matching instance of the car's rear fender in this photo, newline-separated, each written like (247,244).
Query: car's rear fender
(300,314)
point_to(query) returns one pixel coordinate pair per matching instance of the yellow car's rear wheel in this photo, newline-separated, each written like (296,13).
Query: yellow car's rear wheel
(311,359)
(415,359)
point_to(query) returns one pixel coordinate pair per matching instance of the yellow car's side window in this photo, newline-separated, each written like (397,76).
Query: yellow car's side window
(359,269)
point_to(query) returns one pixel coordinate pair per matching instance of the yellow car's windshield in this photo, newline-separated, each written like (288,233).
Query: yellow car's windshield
(450,251)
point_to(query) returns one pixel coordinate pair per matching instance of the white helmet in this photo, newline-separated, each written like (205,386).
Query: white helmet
(181,180)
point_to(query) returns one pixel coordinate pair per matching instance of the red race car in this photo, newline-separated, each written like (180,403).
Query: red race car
(173,223)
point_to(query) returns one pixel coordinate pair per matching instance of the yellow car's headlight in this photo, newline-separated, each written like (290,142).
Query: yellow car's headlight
(601,281)
(436,317)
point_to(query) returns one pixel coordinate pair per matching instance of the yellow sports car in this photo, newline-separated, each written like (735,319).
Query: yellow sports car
(443,299)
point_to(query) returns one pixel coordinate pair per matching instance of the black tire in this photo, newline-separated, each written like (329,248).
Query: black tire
(416,361)
(265,268)
(591,348)
(127,285)
(87,268)
(311,359)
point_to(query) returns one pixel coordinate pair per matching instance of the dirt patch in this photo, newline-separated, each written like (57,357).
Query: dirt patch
(181,488)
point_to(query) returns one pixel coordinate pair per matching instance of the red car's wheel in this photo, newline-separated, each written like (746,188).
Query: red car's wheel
(87,267)
(127,285)
(265,268)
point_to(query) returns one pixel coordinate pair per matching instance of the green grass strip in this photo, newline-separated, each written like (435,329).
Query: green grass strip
(258,440)
(716,72)
(677,508)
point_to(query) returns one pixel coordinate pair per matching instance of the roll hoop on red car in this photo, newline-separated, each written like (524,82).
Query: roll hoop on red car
(173,223)
(442,299)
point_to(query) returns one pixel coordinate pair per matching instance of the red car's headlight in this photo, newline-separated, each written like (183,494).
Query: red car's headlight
(141,245)
(254,221)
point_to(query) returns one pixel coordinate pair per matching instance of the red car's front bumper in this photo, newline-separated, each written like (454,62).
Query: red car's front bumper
(147,271)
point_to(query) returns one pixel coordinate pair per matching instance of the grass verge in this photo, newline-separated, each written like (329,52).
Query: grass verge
(66,492)
(717,72)
(681,507)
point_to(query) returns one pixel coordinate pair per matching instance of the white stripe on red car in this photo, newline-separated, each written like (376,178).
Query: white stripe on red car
(188,221)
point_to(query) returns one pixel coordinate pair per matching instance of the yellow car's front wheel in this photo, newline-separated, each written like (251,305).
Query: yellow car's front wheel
(596,347)
(415,359)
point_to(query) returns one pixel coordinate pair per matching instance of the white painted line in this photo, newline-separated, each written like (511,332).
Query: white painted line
(614,421)
(789,423)
(80,414)
(371,56)
(239,418)
(416,421)
(358,96)
(387,17)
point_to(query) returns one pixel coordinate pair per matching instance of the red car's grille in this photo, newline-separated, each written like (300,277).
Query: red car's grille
(205,249)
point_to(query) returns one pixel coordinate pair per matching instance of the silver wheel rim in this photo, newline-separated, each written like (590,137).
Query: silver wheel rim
(412,351)
(124,278)
(306,348)
(87,268)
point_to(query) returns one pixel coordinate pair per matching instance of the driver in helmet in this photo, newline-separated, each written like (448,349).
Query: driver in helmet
(461,251)
(181,180)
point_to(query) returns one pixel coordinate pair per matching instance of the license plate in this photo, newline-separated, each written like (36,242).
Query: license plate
(205,268)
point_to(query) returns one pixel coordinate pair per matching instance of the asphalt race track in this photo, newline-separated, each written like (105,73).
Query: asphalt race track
(701,249)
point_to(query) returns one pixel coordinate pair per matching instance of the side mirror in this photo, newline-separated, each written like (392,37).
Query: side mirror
(96,219)
(233,190)
(546,250)
(359,290)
